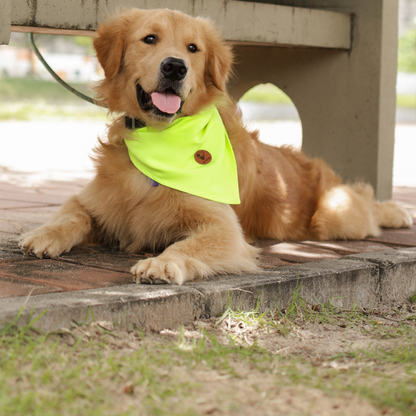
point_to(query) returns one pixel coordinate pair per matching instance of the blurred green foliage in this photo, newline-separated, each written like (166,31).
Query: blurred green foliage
(407,52)
(266,93)
(23,89)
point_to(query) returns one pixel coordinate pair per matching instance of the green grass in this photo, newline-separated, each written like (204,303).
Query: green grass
(41,375)
(99,370)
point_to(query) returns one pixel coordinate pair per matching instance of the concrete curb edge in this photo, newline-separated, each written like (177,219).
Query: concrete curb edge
(365,280)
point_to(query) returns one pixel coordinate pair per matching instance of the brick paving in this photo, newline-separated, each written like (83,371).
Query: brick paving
(23,208)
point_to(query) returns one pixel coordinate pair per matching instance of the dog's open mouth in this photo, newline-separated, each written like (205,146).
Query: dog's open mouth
(165,103)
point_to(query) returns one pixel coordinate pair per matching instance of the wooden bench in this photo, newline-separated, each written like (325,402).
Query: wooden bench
(336,59)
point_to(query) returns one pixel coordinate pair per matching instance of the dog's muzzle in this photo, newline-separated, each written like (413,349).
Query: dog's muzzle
(166,100)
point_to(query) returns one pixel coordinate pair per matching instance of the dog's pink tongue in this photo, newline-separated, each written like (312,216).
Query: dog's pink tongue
(167,101)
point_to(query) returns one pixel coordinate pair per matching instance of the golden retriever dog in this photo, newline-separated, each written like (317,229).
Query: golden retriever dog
(161,66)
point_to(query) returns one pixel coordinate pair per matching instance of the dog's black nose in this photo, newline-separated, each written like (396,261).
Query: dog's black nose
(174,69)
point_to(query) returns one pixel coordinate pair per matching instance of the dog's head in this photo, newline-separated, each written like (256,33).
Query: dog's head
(159,63)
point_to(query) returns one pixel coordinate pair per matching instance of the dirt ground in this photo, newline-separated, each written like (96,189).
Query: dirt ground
(307,365)
(315,342)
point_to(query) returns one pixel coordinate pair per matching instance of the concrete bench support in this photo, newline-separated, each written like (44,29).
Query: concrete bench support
(345,99)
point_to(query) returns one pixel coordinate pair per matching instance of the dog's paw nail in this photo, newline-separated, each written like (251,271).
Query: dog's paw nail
(159,282)
(145,281)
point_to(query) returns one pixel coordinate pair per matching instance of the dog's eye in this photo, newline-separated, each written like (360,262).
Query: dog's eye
(192,48)
(150,39)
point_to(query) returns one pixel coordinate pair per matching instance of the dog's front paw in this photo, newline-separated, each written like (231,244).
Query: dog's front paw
(159,272)
(46,241)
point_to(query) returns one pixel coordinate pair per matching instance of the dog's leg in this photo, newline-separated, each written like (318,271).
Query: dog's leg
(391,215)
(69,227)
(214,248)
(350,213)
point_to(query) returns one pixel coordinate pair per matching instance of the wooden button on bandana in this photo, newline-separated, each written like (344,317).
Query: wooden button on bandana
(203,157)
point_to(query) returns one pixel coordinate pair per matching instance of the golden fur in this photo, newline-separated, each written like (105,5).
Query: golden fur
(284,195)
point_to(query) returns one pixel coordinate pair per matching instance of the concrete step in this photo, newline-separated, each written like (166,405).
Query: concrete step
(362,280)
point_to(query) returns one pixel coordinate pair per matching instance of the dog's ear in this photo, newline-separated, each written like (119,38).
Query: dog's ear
(110,42)
(219,60)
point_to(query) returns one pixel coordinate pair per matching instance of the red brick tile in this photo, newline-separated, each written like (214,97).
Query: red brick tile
(11,201)
(16,227)
(6,227)
(10,250)
(102,257)
(18,221)
(42,211)
(6,238)
(64,192)
(407,198)
(10,287)
(60,274)
(8,187)
(62,187)
(348,247)
(298,253)
(403,237)
(11,204)
(270,262)
(31,195)
(266,243)
(405,195)
(27,215)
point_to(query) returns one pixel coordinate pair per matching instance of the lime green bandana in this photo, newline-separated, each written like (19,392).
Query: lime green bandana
(192,155)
